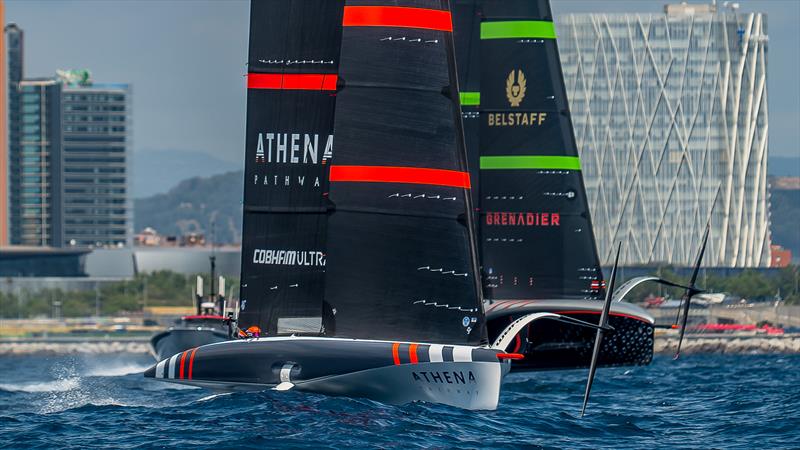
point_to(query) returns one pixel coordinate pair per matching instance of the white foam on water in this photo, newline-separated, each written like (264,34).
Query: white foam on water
(213,396)
(115,370)
(61,385)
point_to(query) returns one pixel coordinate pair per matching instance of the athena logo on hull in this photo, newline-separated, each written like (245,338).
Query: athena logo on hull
(293,148)
(289,257)
(445,377)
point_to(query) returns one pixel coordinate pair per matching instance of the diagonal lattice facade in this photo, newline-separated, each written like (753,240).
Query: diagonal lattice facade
(670,115)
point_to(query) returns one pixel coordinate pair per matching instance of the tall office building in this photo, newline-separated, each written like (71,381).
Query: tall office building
(35,160)
(670,114)
(3,135)
(68,157)
(95,162)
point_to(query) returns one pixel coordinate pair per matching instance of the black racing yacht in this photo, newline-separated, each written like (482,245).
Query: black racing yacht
(537,247)
(359,269)
(206,326)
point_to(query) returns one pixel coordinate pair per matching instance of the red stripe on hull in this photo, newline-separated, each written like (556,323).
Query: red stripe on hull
(396,353)
(183,360)
(408,175)
(412,353)
(301,81)
(397,16)
(191,362)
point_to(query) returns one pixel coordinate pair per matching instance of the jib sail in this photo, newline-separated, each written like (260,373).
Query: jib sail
(291,85)
(535,229)
(401,257)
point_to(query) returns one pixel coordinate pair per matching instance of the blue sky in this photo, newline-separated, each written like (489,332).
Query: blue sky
(186,62)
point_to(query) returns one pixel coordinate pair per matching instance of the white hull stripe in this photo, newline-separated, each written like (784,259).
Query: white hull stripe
(160,369)
(462,354)
(449,353)
(435,353)
(172,365)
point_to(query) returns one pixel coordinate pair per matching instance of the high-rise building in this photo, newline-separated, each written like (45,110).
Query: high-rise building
(670,115)
(35,159)
(68,157)
(95,163)
(3,135)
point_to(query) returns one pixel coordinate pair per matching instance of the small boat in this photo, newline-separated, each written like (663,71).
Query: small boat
(359,272)
(208,325)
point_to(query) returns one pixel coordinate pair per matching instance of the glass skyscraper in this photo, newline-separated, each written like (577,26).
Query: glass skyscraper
(670,115)
(35,157)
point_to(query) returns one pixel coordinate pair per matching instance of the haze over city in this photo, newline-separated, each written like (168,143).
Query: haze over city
(186,62)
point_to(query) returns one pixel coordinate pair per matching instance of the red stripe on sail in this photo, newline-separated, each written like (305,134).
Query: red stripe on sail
(397,16)
(396,353)
(297,81)
(191,362)
(410,175)
(412,353)
(183,359)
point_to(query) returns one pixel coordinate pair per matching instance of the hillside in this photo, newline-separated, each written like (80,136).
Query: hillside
(783,166)
(193,204)
(785,209)
(157,171)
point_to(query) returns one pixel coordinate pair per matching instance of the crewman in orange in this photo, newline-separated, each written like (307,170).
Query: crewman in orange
(250,333)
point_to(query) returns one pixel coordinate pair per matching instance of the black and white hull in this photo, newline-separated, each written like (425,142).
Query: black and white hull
(554,345)
(389,372)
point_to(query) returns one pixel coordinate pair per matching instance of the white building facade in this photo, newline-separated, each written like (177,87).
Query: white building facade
(670,115)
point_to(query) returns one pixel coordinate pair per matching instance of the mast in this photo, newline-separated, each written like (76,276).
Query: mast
(536,232)
(401,259)
(291,92)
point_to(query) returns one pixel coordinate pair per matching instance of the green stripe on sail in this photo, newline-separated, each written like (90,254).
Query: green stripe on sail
(531,162)
(516,29)
(470,98)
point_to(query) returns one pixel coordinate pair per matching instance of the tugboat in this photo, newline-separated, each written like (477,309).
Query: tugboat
(206,326)
(359,272)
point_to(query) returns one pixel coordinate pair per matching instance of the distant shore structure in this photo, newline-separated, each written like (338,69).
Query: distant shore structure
(670,115)
(69,153)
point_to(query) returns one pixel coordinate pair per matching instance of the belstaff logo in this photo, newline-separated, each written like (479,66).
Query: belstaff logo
(515,90)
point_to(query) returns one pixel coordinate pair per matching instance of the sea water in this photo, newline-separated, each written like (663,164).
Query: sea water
(699,401)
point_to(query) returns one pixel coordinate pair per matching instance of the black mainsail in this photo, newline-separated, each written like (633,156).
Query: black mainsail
(401,257)
(536,233)
(292,74)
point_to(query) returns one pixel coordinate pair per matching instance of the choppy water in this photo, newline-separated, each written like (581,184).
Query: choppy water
(715,401)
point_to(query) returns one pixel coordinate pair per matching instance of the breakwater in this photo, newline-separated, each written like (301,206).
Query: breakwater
(729,343)
(55,346)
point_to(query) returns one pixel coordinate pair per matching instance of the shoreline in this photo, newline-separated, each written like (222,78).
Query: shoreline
(737,343)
